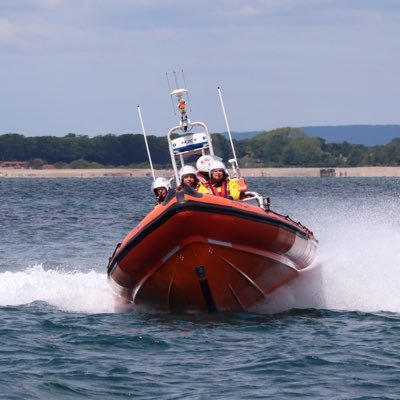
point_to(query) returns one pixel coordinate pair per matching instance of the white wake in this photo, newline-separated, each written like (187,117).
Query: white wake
(74,291)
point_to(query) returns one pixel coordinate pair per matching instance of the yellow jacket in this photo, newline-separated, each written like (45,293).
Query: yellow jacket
(202,188)
(232,186)
(234,189)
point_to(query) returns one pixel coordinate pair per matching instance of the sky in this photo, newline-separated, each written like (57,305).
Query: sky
(83,66)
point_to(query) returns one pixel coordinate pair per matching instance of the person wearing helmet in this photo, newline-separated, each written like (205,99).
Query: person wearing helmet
(220,184)
(202,165)
(187,177)
(160,187)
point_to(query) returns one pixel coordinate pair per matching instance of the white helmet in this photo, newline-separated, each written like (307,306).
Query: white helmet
(216,164)
(160,183)
(186,170)
(204,162)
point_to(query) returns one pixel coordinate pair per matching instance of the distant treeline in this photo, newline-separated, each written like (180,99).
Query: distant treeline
(284,147)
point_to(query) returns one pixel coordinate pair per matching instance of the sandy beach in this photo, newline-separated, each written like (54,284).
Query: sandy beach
(246,172)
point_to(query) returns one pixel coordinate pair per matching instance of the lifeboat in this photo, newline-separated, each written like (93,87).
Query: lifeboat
(200,252)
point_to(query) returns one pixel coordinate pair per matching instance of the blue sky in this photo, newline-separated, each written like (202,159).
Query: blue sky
(83,66)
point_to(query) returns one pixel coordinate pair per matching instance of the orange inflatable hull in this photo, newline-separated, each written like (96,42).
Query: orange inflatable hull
(205,253)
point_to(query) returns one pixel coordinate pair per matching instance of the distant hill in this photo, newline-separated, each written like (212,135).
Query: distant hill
(277,148)
(368,135)
(242,135)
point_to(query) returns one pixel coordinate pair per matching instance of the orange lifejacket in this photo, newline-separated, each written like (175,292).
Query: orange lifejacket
(242,185)
(224,189)
(182,107)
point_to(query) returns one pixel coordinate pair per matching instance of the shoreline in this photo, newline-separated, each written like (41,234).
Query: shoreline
(245,172)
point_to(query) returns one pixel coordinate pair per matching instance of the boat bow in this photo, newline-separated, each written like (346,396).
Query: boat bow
(202,252)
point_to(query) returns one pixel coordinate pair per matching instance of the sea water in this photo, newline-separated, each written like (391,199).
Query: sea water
(331,334)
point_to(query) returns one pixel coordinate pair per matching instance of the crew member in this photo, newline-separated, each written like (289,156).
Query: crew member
(187,177)
(202,165)
(160,187)
(220,184)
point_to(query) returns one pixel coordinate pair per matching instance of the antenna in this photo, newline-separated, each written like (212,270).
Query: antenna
(180,93)
(170,90)
(187,93)
(176,80)
(234,162)
(145,140)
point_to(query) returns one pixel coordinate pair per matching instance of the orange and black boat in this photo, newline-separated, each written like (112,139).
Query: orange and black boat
(200,252)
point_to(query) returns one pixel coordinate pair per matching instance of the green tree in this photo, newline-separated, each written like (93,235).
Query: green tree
(393,151)
(304,151)
(358,156)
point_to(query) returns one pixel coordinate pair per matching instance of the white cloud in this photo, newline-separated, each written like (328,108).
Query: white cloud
(6,30)
(292,51)
(51,4)
(241,11)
